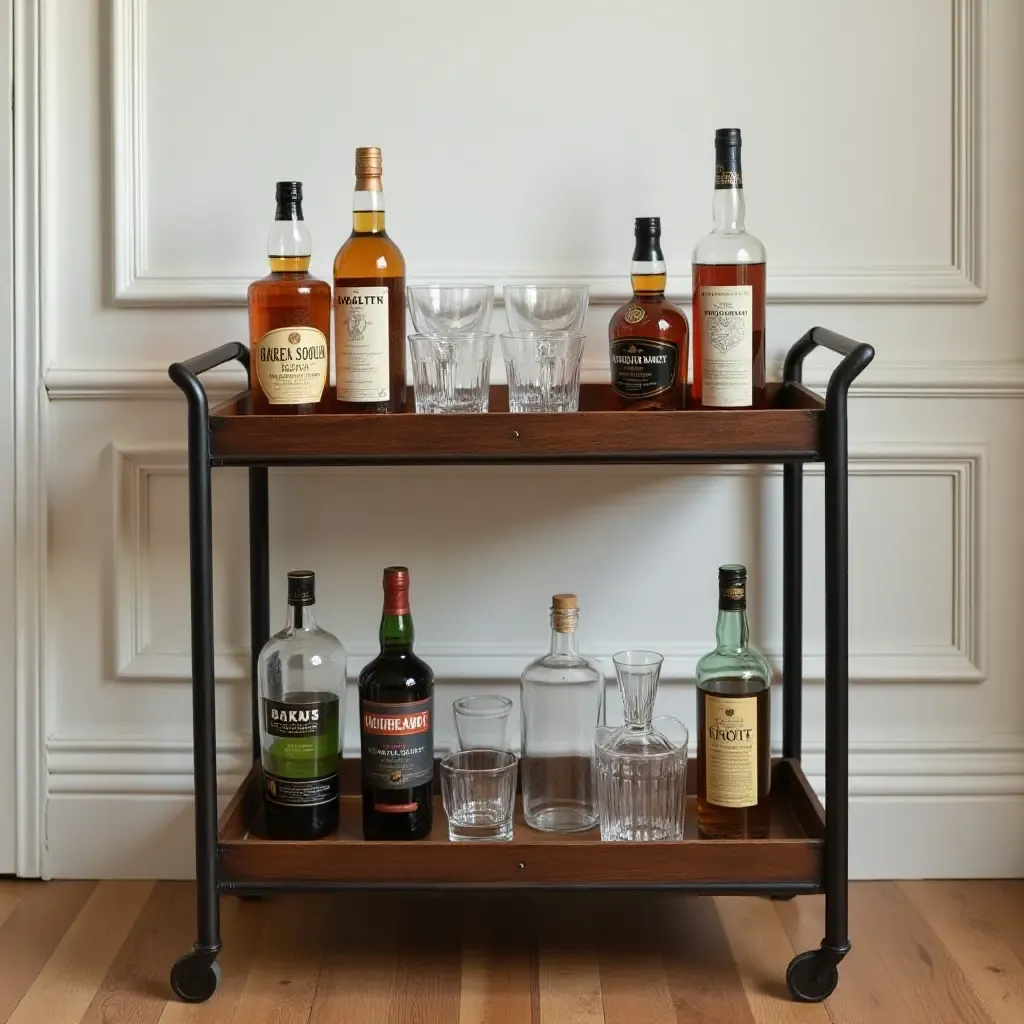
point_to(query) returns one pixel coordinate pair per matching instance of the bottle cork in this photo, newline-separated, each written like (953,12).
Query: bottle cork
(564,602)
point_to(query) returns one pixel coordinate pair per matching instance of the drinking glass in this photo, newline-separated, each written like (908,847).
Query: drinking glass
(640,767)
(451,370)
(543,307)
(479,792)
(440,308)
(482,722)
(543,370)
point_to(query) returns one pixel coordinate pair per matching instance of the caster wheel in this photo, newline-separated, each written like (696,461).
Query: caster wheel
(194,977)
(812,976)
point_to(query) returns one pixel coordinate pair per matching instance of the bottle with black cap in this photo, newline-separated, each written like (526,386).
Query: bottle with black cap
(648,337)
(301,674)
(733,722)
(728,294)
(289,319)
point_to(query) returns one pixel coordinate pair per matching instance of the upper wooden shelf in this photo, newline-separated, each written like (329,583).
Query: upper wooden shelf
(788,424)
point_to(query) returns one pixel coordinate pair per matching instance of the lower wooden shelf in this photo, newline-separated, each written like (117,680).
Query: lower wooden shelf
(789,860)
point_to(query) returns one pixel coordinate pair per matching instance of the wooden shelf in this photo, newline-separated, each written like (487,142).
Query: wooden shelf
(790,859)
(787,424)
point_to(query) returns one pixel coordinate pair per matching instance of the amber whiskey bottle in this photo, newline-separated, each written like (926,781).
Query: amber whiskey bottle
(728,294)
(396,725)
(733,723)
(369,303)
(648,337)
(289,318)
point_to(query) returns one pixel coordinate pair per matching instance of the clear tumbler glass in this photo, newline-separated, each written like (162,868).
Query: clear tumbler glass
(561,701)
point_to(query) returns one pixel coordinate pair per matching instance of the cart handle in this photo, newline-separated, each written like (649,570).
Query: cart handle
(856,356)
(186,374)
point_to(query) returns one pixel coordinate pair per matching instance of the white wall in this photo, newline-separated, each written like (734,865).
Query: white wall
(882,153)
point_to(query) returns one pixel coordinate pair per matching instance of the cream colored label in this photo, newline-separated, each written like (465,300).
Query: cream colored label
(730,742)
(291,365)
(361,341)
(727,322)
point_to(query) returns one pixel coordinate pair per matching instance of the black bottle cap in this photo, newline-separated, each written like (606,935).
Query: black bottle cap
(647,227)
(732,587)
(289,192)
(728,137)
(301,587)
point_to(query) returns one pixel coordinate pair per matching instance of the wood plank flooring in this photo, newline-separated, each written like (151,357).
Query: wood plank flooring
(923,953)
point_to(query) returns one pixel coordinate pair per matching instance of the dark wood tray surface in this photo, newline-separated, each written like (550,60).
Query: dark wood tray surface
(791,854)
(787,423)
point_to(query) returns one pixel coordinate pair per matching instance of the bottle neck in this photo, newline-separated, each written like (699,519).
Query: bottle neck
(647,271)
(564,644)
(396,631)
(289,245)
(368,209)
(733,630)
(729,207)
(301,616)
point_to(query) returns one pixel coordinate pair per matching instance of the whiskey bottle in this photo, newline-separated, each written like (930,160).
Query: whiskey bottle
(369,303)
(649,336)
(396,725)
(728,294)
(733,734)
(301,673)
(289,318)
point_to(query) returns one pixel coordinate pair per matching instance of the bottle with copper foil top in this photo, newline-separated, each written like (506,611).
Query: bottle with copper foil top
(369,303)
(561,698)
(396,725)
(289,318)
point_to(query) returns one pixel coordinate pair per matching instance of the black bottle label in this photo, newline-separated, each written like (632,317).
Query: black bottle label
(397,744)
(300,792)
(642,367)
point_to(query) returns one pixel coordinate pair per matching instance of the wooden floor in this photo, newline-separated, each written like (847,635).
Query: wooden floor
(922,952)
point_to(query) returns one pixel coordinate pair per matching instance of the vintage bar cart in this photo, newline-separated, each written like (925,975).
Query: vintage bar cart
(806,851)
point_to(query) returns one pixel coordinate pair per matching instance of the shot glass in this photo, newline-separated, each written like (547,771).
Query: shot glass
(436,309)
(543,370)
(479,792)
(451,370)
(482,722)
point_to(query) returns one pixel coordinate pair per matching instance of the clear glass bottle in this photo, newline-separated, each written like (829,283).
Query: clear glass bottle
(733,722)
(561,697)
(301,674)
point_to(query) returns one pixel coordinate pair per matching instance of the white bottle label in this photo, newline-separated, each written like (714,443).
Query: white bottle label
(291,365)
(361,343)
(727,322)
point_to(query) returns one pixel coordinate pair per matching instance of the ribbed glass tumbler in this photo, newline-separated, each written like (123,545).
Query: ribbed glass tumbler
(640,767)
(479,792)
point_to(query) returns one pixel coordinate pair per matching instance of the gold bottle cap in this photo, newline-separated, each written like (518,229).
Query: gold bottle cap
(563,602)
(368,169)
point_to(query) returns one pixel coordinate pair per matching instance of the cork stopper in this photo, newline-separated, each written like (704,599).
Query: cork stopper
(368,169)
(564,613)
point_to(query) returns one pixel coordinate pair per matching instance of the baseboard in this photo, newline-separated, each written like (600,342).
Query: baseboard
(917,809)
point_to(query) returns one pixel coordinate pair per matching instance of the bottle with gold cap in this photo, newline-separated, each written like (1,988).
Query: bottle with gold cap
(561,699)
(369,303)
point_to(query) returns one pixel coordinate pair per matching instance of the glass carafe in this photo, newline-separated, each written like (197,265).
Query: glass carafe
(561,700)
(641,766)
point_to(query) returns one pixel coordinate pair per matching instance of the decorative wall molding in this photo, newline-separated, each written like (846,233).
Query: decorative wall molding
(972,380)
(889,768)
(134,657)
(961,280)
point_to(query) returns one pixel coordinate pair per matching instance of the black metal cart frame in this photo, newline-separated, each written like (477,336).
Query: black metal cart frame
(812,975)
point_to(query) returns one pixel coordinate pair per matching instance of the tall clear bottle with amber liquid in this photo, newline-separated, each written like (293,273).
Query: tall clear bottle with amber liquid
(733,723)
(728,294)
(369,303)
(648,337)
(289,318)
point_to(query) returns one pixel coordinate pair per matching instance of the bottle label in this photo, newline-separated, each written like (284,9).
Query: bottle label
(362,344)
(727,355)
(642,367)
(310,718)
(300,792)
(397,743)
(730,745)
(291,365)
